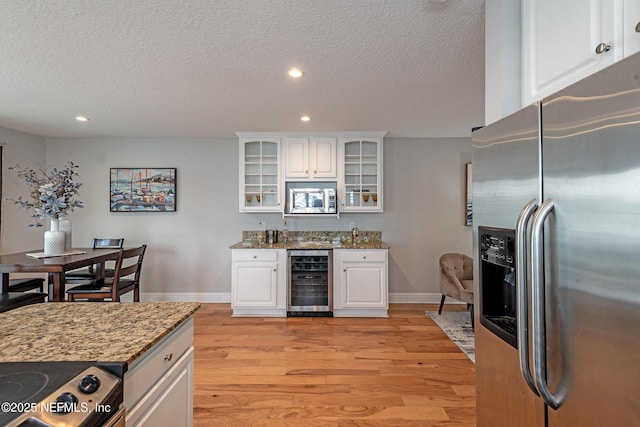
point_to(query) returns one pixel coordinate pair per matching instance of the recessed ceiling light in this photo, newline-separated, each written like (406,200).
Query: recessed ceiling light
(82,119)
(295,73)
(305,118)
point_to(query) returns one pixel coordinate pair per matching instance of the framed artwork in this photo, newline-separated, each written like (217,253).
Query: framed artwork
(142,190)
(469,197)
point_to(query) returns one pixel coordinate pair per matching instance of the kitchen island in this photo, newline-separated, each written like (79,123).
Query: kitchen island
(151,342)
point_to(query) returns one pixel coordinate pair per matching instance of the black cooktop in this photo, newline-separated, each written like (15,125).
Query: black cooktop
(30,382)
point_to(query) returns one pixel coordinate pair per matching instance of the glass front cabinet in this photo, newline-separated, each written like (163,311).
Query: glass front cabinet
(360,174)
(260,175)
(358,163)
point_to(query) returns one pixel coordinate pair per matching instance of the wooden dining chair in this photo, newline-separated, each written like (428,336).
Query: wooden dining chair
(86,275)
(26,284)
(19,299)
(126,278)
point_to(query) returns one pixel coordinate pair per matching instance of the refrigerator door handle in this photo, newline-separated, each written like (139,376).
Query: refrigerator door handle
(538,313)
(522,312)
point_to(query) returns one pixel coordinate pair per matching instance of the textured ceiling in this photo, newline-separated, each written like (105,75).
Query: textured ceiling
(208,68)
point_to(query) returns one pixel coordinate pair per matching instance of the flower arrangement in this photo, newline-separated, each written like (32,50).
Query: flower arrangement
(52,192)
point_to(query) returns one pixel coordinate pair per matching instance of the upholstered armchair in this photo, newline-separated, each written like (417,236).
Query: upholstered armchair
(456,279)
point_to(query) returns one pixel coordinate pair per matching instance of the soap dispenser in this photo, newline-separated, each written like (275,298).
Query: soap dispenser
(354,234)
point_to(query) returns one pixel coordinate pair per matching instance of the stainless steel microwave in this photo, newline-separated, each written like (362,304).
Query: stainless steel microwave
(311,198)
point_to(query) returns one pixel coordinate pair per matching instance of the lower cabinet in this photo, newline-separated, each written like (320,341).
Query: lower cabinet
(259,282)
(360,286)
(158,387)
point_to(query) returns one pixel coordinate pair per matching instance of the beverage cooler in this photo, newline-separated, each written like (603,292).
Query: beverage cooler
(309,290)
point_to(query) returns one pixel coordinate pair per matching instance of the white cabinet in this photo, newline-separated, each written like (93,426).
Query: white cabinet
(158,387)
(260,176)
(566,41)
(172,403)
(312,158)
(352,159)
(360,169)
(360,285)
(258,282)
(631,27)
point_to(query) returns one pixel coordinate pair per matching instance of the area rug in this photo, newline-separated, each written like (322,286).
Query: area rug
(457,326)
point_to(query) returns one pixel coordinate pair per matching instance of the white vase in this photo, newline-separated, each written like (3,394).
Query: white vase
(64,225)
(54,240)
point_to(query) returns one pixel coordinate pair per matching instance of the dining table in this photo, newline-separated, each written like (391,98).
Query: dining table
(55,266)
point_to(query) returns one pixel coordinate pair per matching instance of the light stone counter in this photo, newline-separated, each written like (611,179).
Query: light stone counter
(88,331)
(310,245)
(315,240)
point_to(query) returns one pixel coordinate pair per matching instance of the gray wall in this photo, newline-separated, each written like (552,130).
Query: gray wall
(26,150)
(188,256)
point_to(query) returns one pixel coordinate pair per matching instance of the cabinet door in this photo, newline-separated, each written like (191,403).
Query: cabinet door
(361,175)
(322,158)
(296,157)
(560,40)
(172,403)
(361,279)
(364,285)
(254,284)
(260,186)
(310,158)
(631,27)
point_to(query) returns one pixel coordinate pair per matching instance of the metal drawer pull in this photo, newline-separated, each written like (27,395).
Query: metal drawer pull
(168,357)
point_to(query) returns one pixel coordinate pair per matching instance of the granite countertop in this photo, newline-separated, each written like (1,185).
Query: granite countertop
(313,245)
(315,240)
(87,331)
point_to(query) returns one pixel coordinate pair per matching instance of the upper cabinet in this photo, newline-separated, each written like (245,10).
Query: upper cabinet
(260,177)
(631,26)
(351,159)
(563,42)
(360,169)
(311,158)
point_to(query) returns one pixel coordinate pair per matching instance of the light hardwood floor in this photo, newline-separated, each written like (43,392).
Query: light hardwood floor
(396,371)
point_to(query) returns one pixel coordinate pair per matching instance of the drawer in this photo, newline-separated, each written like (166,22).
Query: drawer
(259,255)
(367,256)
(149,368)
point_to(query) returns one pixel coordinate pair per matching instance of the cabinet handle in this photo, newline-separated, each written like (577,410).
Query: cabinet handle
(364,257)
(345,270)
(603,47)
(168,357)
(638,27)
(255,256)
(275,269)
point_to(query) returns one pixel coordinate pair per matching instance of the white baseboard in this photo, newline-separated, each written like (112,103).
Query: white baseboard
(225,297)
(186,297)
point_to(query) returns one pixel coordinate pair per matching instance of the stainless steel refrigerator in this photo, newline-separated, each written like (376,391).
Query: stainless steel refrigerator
(556,221)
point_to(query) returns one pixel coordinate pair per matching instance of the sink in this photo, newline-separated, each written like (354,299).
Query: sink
(314,243)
